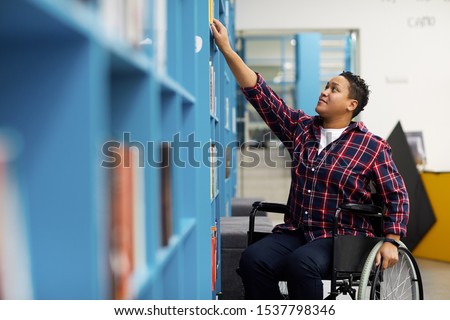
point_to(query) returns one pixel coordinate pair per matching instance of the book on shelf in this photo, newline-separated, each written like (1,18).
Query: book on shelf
(227,113)
(139,218)
(160,34)
(216,172)
(211,11)
(213,161)
(124,20)
(135,16)
(228,161)
(227,14)
(122,245)
(211,170)
(233,120)
(15,272)
(214,259)
(166,193)
(212,89)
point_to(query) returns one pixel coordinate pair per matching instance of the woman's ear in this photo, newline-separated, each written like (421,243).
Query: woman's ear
(352,106)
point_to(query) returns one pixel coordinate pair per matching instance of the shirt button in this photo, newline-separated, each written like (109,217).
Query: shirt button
(306,212)
(309,191)
(313,169)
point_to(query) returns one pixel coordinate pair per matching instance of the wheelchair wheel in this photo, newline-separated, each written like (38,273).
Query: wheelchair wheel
(400,282)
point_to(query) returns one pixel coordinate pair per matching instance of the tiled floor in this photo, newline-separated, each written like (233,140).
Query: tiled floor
(436,279)
(269,180)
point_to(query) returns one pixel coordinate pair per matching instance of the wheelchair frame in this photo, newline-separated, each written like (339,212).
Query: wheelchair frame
(348,272)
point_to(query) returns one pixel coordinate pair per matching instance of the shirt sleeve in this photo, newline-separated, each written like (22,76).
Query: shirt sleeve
(391,187)
(280,118)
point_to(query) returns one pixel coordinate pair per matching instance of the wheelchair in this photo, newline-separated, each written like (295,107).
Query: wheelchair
(354,272)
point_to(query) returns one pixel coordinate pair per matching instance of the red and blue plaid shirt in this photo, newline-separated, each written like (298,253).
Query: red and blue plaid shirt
(341,173)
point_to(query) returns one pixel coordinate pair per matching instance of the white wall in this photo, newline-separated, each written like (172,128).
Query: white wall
(404,57)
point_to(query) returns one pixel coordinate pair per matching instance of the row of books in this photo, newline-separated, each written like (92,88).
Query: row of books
(130,20)
(127,230)
(226,10)
(127,224)
(122,20)
(213,102)
(127,243)
(213,156)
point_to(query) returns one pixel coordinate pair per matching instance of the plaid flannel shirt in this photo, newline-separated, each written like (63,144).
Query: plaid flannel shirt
(341,173)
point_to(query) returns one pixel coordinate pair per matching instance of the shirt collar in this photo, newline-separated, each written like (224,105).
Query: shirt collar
(318,121)
(354,125)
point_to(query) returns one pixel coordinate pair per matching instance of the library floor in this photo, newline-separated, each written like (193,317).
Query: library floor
(269,180)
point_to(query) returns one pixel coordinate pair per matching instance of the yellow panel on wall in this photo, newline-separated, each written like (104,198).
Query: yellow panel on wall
(435,244)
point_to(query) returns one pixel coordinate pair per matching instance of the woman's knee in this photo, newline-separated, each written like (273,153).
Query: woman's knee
(250,259)
(310,261)
(299,264)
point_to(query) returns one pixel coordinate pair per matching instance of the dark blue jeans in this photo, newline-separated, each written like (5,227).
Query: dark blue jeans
(289,257)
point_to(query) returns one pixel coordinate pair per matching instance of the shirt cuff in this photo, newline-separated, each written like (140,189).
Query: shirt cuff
(393,228)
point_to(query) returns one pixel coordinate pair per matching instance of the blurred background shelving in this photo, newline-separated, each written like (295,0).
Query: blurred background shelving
(96,101)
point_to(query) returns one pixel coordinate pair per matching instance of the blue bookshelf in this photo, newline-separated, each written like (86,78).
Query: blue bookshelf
(71,95)
(223,131)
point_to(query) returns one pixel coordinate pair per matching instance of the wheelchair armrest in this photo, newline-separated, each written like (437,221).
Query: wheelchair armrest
(270,207)
(265,207)
(363,209)
(373,212)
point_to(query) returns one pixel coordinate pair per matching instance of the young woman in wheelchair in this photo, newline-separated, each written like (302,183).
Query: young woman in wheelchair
(335,161)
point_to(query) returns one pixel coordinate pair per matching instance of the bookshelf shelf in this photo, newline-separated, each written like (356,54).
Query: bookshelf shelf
(111,209)
(126,60)
(165,254)
(170,85)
